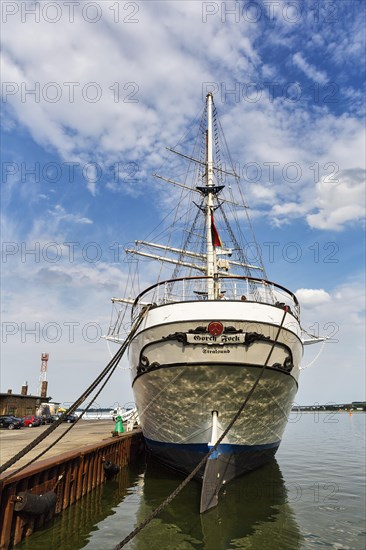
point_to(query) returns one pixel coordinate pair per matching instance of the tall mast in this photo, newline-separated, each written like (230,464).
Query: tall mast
(211,256)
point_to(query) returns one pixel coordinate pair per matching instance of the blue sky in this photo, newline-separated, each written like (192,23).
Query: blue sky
(113,84)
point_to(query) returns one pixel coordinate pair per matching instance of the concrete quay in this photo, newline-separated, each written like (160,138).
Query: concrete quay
(84,432)
(76,465)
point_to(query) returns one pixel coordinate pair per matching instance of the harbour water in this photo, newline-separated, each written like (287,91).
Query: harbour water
(311,496)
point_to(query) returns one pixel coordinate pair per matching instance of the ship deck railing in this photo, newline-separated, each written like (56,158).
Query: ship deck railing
(233,288)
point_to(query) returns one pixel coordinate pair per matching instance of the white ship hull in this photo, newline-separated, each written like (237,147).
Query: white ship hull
(181,377)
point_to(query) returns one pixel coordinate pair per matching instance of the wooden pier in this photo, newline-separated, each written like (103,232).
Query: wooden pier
(74,469)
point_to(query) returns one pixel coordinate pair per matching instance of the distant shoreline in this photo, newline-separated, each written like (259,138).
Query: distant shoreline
(359,406)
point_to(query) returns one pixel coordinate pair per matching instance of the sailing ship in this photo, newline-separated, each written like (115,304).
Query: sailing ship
(209,328)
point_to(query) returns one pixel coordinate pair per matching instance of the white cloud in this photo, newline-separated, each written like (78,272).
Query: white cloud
(311,296)
(164,69)
(60,215)
(283,214)
(338,373)
(328,154)
(339,202)
(63,309)
(308,69)
(262,194)
(156,64)
(348,46)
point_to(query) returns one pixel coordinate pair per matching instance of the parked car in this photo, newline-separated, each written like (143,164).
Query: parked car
(47,419)
(70,418)
(31,421)
(10,422)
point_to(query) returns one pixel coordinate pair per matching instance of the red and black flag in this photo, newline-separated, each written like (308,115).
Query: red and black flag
(216,241)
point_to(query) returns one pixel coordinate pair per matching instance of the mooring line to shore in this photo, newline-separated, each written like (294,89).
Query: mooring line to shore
(108,370)
(11,474)
(176,491)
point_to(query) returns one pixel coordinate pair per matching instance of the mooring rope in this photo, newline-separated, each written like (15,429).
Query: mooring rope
(320,351)
(108,370)
(316,357)
(171,497)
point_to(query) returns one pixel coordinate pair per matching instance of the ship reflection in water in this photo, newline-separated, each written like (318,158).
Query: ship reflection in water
(253,512)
